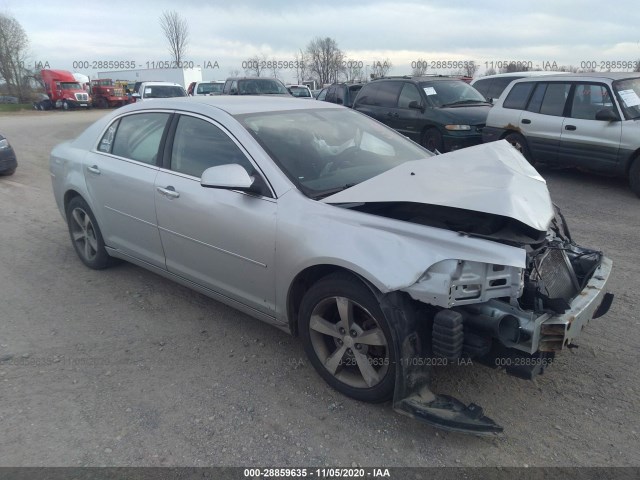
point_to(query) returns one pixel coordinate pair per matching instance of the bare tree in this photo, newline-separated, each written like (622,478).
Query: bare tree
(470,69)
(176,31)
(637,69)
(14,45)
(325,59)
(420,67)
(255,66)
(381,68)
(490,71)
(234,73)
(514,67)
(275,71)
(301,66)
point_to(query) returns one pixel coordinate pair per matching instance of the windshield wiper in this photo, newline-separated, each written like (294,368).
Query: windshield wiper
(462,102)
(328,193)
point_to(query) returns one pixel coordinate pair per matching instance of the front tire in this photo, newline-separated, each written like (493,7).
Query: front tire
(432,140)
(518,142)
(85,235)
(634,176)
(348,339)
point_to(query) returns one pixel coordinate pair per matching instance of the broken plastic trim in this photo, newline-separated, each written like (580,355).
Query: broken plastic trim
(412,396)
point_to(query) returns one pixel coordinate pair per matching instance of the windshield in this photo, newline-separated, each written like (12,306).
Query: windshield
(261,87)
(451,92)
(70,86)
(207,88)
(628,92)
(324,151)
(164,91)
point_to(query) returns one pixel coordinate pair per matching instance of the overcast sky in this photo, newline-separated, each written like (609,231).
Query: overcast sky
(565,32)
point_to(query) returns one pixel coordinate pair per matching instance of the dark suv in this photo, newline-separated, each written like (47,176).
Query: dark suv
(254,86)
(440,113)
(340,93)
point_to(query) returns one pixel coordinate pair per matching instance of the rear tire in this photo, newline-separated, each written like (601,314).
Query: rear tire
(634,176)
(347,338)
(85,234)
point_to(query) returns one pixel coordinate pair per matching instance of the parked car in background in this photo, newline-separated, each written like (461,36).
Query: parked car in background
(243,199)
(300,91)
(8,160)
(341,93)
(440,113)
(589,120)
(255,86)
(491,86)
(150,90)
(207,88)
(321,94)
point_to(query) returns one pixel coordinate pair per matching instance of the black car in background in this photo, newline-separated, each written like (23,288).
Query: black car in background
(340,93)
(440,113)
(8,161)
(255,86)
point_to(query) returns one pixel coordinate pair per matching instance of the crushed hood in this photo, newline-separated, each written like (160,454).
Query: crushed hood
(490,178)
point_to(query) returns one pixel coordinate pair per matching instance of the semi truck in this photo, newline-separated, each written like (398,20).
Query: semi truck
(183,76)
(64,90)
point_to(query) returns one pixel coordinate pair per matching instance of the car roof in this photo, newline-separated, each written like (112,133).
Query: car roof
(234,105)
(590,76)
(425,78)
(162,83)
(532,73)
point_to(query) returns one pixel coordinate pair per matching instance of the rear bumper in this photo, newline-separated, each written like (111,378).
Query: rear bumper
(8,160)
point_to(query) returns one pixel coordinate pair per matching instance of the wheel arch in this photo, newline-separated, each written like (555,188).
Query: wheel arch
(306,278)
(631,159)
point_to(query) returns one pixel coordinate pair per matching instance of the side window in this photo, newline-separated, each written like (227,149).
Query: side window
(323,94)
(483,86)
(198,145)
(388,94)
(331,94)
(340,95)
(554,99)
(536,99)
(138,136)
(368,93)
(588,99)
(498,85)
(408,94)
(518,96)
(106,142)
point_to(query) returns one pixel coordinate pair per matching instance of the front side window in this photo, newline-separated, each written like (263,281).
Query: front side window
(388,93)
(164,91)
(588,99)
(408,94)
(518,96)
(199,145)
(138,137)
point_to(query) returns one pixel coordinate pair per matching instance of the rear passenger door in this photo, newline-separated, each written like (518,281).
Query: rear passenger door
(380,101)
(586,141)
(408,121)
(542,121)
(120,176)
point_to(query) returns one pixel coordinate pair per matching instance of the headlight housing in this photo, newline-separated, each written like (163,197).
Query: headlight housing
(4,143)
(458,127)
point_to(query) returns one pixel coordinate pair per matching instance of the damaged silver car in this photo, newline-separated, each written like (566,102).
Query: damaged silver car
(382,257)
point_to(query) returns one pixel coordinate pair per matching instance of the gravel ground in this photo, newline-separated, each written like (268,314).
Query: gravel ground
(122,367)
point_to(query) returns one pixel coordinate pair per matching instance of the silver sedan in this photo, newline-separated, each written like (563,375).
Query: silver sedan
(383,258)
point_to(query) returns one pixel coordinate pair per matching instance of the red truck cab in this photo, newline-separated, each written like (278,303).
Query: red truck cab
(64,90)
(106,93)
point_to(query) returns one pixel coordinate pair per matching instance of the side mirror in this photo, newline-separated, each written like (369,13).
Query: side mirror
(607,115)
(416,105)
(228,177)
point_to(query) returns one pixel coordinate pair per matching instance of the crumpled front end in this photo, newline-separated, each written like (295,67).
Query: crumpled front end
(502,316)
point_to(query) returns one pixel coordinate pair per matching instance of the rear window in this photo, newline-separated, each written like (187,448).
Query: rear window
(554,99)
(518,96)
(381,94)
(164,91)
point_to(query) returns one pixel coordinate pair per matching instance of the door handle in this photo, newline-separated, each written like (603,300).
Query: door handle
(570,127)
(392,114)
(169,192)
(526,121)
(94,169)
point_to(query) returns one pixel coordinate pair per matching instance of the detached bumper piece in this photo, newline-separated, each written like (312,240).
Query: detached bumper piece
(412,396)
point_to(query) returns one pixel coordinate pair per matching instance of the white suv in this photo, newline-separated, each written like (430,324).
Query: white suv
(590,121)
